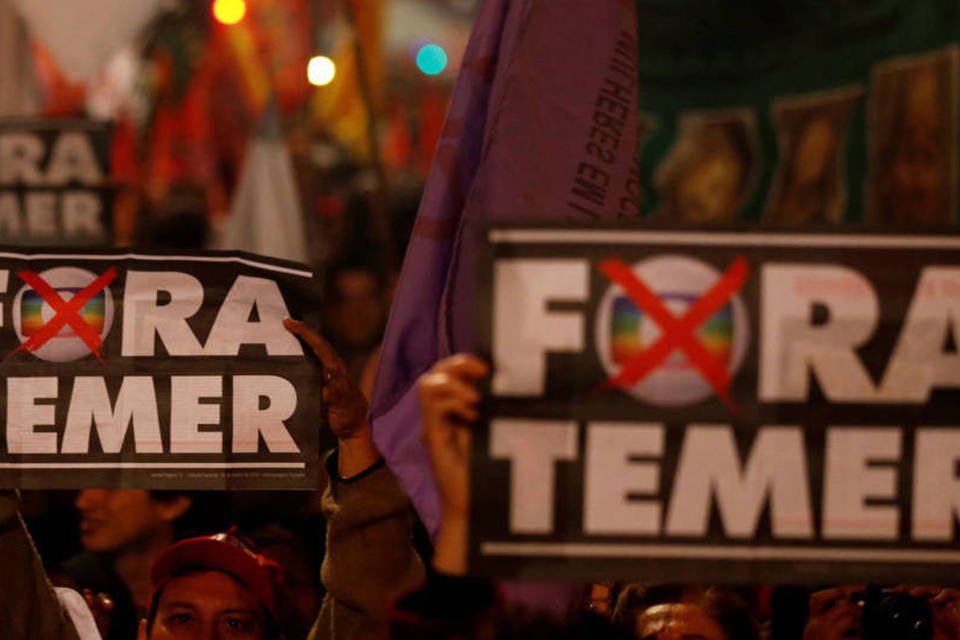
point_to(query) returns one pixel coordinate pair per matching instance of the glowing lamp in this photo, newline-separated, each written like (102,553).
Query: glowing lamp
(321,70)
(229,11)
(431,59)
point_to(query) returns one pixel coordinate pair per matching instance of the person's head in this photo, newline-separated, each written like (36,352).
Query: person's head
(663,613)
(212,588)
(678,621)
(354,310)
(179,221)
(114,520)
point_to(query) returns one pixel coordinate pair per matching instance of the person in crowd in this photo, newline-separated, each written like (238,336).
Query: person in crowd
(179,222)
(122,532)
(212,588)
(858,611)
(205,588)
(598,597)
(354,313)
(668,613)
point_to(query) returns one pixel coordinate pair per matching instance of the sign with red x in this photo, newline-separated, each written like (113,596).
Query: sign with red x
(678,333)
(757,380)
(66,312)
(106,355)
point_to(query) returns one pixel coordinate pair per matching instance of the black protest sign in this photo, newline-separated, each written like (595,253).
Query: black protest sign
(55,182)
(156,371)
(719,407)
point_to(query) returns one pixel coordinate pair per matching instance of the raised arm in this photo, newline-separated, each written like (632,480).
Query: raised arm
(369,557)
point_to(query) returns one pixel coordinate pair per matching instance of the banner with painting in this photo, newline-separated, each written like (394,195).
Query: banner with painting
(795,113)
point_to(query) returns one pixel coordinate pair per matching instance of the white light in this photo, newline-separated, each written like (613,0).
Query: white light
(321,70)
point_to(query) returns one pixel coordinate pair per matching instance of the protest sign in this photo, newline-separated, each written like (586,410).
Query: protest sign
(54,182)
(719,407)
(155,371)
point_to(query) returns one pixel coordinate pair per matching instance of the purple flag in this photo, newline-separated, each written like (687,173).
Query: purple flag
(542,125)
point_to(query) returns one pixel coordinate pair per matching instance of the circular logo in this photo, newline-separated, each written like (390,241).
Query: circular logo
(625,330)
(32,312)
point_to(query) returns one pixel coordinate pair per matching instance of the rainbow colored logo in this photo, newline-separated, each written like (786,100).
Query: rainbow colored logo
(630,333)
(31,312)
(625,331)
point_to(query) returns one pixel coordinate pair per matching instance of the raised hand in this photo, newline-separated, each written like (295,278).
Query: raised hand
(345,405)
(836,613)
(448,406)
(944,609)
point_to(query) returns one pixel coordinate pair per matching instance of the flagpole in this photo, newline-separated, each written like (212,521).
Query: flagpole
(380,205)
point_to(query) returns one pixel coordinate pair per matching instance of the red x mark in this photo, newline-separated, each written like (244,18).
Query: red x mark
(67,312)
(677,333)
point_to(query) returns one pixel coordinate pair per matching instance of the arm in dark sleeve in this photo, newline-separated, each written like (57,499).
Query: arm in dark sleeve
(29,608)
(370,558)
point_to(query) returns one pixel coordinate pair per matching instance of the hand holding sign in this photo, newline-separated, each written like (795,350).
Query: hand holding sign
(944,607)
(835,613)
(448,402)
(346,407)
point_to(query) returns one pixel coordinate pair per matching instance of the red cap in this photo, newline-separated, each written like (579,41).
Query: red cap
(226,552)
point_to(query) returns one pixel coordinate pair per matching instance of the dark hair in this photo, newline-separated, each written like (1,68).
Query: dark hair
(270,630)
(208,513)
(178,222)
(355,263)
(724,606)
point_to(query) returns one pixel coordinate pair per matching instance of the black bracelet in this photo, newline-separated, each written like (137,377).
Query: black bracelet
(333,466)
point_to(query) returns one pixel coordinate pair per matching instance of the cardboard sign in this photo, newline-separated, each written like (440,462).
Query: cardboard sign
(54,182)
(719,407)
(155,371)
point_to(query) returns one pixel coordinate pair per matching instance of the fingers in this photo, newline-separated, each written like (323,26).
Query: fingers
(446,401)
(463,365)
(455,408)
(918,591)
(320,347)
(824,600)
(835,613)
(448,396)
(945,596)
(444,385)
(452,378)
(937,596)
